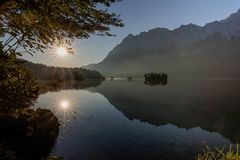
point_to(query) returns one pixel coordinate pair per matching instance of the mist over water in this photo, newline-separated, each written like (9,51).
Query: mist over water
(123,119)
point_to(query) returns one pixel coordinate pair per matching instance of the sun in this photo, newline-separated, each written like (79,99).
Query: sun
(62,51)
(64,104)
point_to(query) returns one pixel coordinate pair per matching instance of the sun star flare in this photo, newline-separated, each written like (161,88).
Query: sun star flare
(61,51)
(64,104)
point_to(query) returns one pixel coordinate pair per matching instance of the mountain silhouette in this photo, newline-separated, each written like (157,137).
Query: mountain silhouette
(190,50)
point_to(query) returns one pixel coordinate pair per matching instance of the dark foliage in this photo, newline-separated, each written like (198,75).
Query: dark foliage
(111,78)
(34,25)
(53,86)
(27,134)
(18,87)
(43,72)
(129,78)
(156,79)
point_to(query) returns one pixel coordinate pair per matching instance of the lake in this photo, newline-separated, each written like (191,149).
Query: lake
(123,119)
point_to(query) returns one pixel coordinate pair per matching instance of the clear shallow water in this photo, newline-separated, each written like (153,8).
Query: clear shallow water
(129,120)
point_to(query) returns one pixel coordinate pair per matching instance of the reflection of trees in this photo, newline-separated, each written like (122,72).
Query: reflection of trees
(27,135)
(56,86)
(111,78)
(81,84)
(129,78)
(209,106)
(155,83)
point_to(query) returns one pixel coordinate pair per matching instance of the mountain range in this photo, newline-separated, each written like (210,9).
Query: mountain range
(211,50)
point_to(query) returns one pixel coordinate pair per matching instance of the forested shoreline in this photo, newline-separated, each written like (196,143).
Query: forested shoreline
(50,73)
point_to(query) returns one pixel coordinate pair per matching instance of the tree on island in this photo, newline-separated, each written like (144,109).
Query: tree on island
(156,78)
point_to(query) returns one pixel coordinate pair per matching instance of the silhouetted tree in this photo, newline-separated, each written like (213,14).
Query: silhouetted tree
(156,79)
(77,76)
(35,25)
(43,72)
(38,24)
(129,78)
(18,87)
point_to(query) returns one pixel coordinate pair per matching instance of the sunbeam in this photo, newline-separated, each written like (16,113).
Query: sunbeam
(62,51)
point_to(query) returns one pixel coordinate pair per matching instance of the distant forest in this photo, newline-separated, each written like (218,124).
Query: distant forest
(43,72)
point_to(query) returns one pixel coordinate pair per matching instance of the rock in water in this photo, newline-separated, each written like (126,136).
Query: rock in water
(28,134)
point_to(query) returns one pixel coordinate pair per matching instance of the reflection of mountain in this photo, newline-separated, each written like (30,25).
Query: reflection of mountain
(190,50)
(209,104)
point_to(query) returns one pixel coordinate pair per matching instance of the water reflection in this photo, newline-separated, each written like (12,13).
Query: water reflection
(210,104)
(64,104)
(156,83)
(81,84)
(122,120)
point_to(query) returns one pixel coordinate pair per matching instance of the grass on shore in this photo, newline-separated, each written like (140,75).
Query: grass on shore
(224,153)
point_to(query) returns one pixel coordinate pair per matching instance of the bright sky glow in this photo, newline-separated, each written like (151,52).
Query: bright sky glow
(61,51)
(139,16)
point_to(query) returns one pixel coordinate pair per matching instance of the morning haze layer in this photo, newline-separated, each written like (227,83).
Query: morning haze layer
(188,51)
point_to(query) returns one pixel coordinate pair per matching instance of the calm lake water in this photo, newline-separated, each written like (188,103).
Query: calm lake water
(123,119)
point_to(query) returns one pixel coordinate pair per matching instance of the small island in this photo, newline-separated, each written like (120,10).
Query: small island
(156,78)
(129,78)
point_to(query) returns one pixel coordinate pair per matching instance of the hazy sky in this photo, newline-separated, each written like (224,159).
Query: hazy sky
(139,16)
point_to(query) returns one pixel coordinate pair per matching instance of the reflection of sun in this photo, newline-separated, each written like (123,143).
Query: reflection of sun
(61,51)
(65,110)
(64,104)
